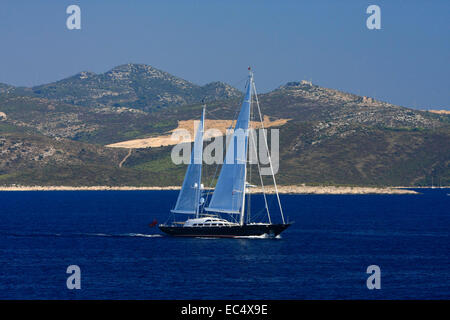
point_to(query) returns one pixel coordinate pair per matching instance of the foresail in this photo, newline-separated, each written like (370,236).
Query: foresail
(229,191)
(189,196)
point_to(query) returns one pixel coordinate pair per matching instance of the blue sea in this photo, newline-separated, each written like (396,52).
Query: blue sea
(323,255)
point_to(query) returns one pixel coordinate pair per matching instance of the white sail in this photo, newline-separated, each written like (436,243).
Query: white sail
(229,193)
(189,197)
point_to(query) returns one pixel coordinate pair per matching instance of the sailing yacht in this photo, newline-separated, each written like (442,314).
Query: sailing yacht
(225,215)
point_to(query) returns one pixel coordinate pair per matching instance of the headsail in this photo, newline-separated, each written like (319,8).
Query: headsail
(190,193)
(228,196)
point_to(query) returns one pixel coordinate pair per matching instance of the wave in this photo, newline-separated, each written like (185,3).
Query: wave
(76,235)
(143,235)
(263,236)
(122,235)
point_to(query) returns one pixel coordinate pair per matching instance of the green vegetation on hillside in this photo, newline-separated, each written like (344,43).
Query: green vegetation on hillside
(55,134)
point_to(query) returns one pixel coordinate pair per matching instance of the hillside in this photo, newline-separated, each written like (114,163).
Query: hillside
(135,86)
(331,137)
(32,159)
(94,125)
(4,88)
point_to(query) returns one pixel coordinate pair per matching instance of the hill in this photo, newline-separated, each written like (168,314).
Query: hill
(32,159)
(4,88)
(135,86)
(331,137)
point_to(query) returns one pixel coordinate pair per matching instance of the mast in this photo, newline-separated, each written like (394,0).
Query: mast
(250,83)
(199,182)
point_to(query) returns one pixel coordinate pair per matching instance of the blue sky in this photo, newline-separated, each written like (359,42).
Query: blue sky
(406,62)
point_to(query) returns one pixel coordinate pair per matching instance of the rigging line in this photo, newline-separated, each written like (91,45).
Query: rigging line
(268,153)
(234,85)
(238,82)
(238,108)
(260,177)
(262,183)
(259,214)
(211,114)
(236,112)
(248,194)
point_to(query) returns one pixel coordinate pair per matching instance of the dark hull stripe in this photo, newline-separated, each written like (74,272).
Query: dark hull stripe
(225,232)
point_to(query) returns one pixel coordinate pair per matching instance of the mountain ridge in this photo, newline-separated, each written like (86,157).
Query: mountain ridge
(142,86)
(332,137)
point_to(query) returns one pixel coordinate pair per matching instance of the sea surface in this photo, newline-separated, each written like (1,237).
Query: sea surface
(323,255)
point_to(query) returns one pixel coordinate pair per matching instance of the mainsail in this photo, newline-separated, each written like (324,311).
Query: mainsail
(229,194)
(189,197)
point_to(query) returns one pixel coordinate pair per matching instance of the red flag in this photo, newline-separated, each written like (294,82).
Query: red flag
(154,223)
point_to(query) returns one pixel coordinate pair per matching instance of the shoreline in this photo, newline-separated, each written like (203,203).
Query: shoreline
(268,189)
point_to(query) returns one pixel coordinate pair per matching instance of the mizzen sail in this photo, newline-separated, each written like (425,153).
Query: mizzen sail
(189,197)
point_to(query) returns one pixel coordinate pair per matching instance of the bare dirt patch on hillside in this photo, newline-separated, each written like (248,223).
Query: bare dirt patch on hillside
(440,111)
(220,127)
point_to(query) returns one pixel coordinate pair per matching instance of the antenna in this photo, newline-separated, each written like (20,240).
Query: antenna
(204,107)
(250,72)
